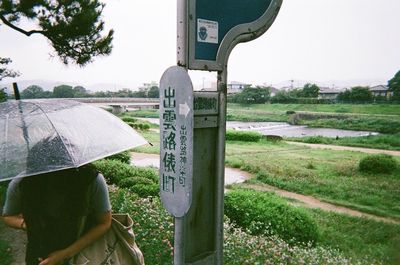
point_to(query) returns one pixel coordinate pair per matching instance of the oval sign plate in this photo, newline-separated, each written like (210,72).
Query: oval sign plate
(176,140)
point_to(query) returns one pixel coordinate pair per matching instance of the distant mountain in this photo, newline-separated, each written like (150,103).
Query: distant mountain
(49,85)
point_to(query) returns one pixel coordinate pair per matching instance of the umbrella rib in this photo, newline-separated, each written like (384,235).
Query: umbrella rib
(4,145)
(62,140)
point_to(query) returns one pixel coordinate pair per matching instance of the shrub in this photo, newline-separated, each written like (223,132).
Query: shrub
(115,171)
(317,140)
(243,136)
(265,213)
(5,253)
(132,181)
(380,163)
(128,119)
(141,126)
(153,225)
(145,191)
(154,231)
(124,157)
(290,112)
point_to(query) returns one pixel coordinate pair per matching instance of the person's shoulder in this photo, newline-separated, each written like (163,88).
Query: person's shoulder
(14,184)
(98,182)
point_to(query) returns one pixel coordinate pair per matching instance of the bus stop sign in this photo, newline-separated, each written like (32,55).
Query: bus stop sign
(216,26)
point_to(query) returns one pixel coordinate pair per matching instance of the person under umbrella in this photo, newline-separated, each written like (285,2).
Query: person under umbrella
(51,206)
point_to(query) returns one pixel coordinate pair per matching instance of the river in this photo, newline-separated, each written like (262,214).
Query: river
(286,130)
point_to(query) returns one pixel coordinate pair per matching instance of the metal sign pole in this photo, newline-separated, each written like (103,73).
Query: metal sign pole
(182,34)
(182,20)
(179,253)
(220,163)
(193,125)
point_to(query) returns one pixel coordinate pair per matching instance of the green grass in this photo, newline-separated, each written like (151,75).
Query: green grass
(329,175)
(326,174)
(5,255)
(153,228)
(381,141)
(375,109)
(154,139)
(383,118)
(146,113)
(355,237)
(358,236)
(359,123)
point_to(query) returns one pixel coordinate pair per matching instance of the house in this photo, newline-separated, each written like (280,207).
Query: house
(381,91)
(328,93)
(236,87)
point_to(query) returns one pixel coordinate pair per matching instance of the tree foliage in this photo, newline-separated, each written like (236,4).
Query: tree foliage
(4,72)
(357,94)
(35,91)
(80,92)
(74,28)
(253,95)
(394,86)
(310,91)
(3,95)
(154,92)
(63,91)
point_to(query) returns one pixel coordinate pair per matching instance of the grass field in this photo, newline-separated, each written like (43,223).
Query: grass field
(381,141)
(383,118)
(358,236)
(329,175)
(372,109)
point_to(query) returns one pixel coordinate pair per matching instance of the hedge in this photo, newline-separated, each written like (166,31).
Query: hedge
(142,181)
(244,136)
(380,163)
(264,213)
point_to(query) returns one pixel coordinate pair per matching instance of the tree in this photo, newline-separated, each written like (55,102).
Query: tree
(154,92)
(361,94)
(394,86)
(250,95)
(4,72)
(344,96)
(33,91)
(310,91)
(80,92)
(74,28)
(3,95)
(63,91)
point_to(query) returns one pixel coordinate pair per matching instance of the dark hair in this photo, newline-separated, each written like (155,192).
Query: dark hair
(49,154)
(53,203)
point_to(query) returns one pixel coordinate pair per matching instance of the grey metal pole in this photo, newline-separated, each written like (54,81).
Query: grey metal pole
(182,33)
(179,252)
(182,60)
(220,155)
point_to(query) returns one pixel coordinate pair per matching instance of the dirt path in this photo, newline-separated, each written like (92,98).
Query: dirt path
(348,148)
(232,175)
(311,202)
(238,176)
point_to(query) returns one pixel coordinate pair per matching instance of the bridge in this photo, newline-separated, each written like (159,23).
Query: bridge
(122,104)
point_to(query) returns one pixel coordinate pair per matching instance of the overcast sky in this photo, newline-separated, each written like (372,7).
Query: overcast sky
(325,41)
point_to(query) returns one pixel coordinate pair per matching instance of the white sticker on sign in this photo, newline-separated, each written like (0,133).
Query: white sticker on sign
(207,31)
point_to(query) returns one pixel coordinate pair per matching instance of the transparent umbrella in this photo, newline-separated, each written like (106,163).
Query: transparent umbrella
(39,136)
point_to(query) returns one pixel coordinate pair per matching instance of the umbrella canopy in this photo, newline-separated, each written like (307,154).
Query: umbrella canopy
(40,136)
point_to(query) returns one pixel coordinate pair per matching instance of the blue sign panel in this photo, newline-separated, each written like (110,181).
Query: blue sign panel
(216,26)
(227,14)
